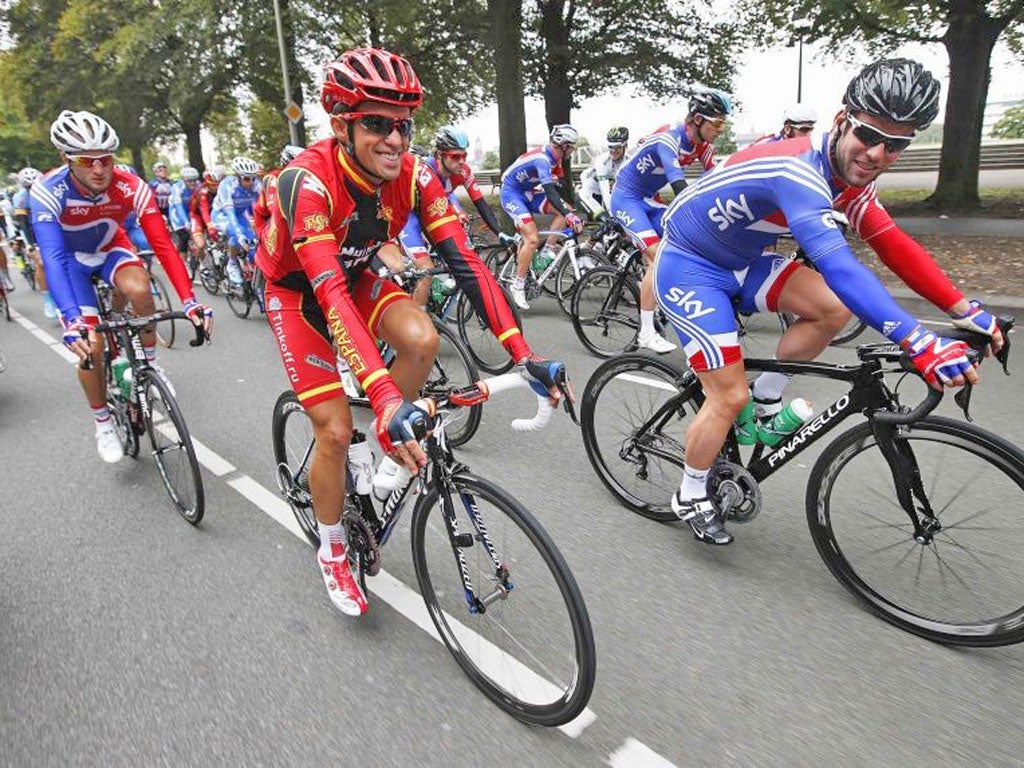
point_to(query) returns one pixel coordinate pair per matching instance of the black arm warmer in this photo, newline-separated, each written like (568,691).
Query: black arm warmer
(551,190)
(487,215)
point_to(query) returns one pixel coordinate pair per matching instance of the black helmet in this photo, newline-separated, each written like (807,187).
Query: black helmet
(450,139)
(618,136)
(710,102)
(900,90)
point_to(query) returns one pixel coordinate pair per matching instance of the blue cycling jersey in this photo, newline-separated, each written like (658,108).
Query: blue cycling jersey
(532,169)
(162,190)
(181,195)
(232,207)
(730,215)
(658,160)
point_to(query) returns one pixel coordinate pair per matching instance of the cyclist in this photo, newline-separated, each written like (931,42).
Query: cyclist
(448,161)
(711,260)
(267,198)
(797,120)
(178,207)
(77,212)
(232,212)
(199,210)
(528,186)
(338,202)
(161,185)
(658,160)
(595,189)
(23,221)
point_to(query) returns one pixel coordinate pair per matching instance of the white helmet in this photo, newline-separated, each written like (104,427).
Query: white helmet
(27,177)
(800,113)
(188,173)
(564,134)
(243,166)
(76,132)
(290,152)
(158,165)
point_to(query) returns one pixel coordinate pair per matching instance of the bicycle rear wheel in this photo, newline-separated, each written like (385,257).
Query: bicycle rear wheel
(565,276)
(240,299)
(605,311)
(173,451)
(475,332)
(961,581)
(530,649)
(292,435)
(634,418)
(453,367)
(118,408)
(5,305)
(162,302)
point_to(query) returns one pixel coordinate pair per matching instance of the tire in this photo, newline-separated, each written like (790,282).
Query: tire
(453,367)
(5,305)
(623,395)
(605,312)
(210,274)
(541,621)
(292,435)
(867,540)
(118,408)
(192,262)
(164,331)
(240,299)
(494,257)
(565,276)
(475,333)
(173,451)
(30,276)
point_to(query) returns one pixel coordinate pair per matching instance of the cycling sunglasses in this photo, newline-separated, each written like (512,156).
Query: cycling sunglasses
(802,127)
(87,161)
(460,156)
(382,125)
(870,136)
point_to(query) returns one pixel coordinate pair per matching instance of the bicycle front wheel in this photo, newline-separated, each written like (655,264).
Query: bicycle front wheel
(292,435)
(526,641)
(453,367)
(476,335)
(240,299)
(162,302)
(959,580)
(634,417)
(173,451)
(605,311)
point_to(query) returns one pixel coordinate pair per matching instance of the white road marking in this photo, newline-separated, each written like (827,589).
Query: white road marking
(656,383)
(633,754)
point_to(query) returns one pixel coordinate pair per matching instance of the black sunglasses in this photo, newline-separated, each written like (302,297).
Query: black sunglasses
(382,125)
(870,136)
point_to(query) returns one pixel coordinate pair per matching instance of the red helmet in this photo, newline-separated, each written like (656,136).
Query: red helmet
(369,74)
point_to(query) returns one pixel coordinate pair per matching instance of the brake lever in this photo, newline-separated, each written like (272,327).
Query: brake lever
(567,404)
(963,399)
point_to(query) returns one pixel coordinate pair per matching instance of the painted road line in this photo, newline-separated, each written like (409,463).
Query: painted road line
(656,383)
(633,754)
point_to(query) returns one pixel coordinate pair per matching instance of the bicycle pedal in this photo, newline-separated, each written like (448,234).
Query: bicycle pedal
(464,540)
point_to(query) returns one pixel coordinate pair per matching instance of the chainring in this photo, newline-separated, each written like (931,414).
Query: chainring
(362,544)
(734,491)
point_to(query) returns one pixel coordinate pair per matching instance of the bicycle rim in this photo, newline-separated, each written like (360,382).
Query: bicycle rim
(531,651)
(239,299)
(173,451)
(475,332)
(964,583)
(292,435)
(164,331)
(634,422)
(605,312)
(5,306)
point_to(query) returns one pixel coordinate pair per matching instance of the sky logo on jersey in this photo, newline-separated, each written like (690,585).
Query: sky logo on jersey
(625,218)
(522,175)
(692,307)
(645,164)
(124,188)
(729,212)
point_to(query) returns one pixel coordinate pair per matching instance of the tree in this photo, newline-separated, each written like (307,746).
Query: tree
(506,17)
(1011,124)
(968,29)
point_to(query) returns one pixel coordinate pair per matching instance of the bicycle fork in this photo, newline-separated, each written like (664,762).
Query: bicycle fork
(906,476)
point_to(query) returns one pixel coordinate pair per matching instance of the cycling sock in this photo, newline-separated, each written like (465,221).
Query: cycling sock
(768,387)
(101,415)
(150,353)
(332,540)
(695,483)
(519,283)
(647,321)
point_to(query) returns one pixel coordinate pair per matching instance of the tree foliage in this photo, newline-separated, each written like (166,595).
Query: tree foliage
(1011,124)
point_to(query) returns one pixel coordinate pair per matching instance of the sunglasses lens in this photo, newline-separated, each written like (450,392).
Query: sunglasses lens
(383,126)
(88,162)
(457,155)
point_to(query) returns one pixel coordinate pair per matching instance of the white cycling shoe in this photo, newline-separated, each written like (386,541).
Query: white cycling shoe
(519,297)
(655,342)
(108,443)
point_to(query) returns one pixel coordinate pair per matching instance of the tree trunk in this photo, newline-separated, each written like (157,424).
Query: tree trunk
(969,42)
(137,160)
(194,147)
(506,21)
(555,30)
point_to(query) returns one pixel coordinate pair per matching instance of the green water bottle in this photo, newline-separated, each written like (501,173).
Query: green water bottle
(122,376)
(746,425)
(542,259)
(785,422)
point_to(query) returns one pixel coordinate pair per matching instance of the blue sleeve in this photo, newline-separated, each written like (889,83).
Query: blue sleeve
(50,237)
(543,166)
(454,199)
(670,162)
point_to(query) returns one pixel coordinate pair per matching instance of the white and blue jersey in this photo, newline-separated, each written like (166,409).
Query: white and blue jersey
(178,206)
(232,209)
(717,229)
(522,184)
(658,160)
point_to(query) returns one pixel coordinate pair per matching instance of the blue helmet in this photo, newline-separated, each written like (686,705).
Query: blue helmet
(450,138)
(710,103)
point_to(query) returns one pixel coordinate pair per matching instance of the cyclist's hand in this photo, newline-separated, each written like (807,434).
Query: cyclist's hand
(199,314)
(545,376)
(506,239)
(212,231)
(977,319)
(574,221)
(463,218)
(942,362)
(400,427)
(74,337)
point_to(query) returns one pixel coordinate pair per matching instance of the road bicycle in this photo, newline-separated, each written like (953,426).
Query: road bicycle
(213,271)
(916,515)
(242,296)
(141,402)
(498,591)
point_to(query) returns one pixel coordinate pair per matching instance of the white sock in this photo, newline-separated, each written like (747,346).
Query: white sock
(646,321)
(519,283)
(332,540)
(150,353)
(769,386)
(695,483)
(101,415)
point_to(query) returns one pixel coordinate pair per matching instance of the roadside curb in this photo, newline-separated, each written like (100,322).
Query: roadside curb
(988,299)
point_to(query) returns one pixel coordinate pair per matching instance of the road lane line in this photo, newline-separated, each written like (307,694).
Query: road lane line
(656,383)
(634,754)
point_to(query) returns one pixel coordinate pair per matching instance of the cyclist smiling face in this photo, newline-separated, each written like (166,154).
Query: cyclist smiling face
(856,162)
(376,152)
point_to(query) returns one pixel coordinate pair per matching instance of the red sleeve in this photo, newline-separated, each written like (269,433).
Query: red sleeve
(442,227)
(155,229)
(898,251)
(261,211)
(308,219)
(472,188)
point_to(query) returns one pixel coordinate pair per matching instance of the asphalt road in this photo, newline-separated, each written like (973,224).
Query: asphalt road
(129,637)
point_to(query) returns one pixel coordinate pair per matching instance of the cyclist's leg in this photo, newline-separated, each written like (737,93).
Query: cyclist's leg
(517,207)
(127,273)
(642,221)
(92,381)
(558,222)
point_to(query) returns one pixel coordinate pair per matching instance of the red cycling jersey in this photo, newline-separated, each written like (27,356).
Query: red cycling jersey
(328,222)
(199,207)
(266,201)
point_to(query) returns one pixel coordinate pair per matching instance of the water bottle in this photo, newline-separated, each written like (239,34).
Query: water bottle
(785,422)
(542,259)
(360,463)
(122,368)
(348,379)
(746,425)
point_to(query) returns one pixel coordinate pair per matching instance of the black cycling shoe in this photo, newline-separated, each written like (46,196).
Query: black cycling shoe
(703,518)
